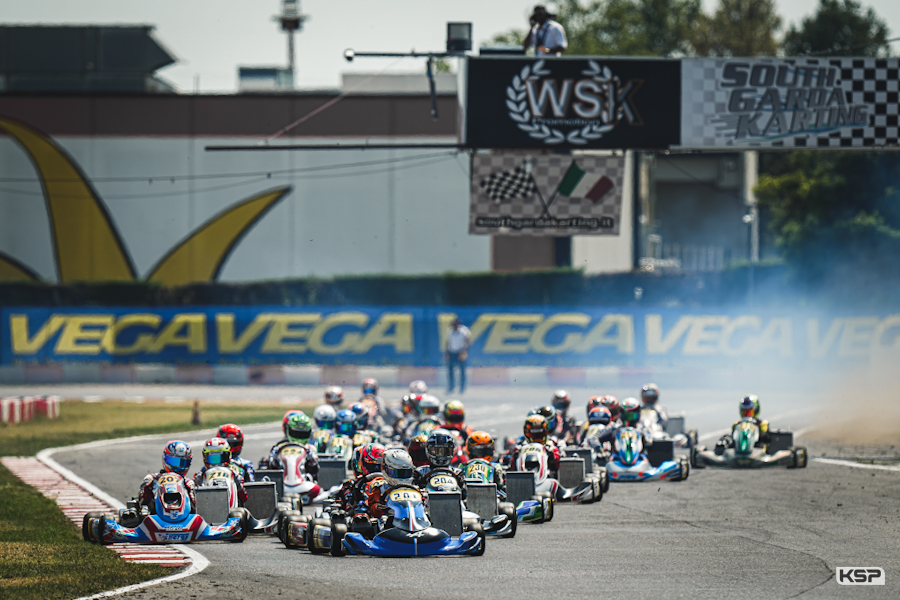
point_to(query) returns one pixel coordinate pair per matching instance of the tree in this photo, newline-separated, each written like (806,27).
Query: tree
(836,216)
(623,27)
(839,28)
(738,28)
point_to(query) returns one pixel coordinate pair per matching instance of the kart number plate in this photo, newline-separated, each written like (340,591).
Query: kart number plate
(291,451)
(406,495)
(479,470)
(439,481)
(169,478)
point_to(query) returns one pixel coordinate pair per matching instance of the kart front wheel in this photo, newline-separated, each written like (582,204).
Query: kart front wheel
(548,509)
(311,536)
(86,526)
(800,457)
(338,531)
(695,459)
(477,528)
(509,509)
(245,524)
(286,523)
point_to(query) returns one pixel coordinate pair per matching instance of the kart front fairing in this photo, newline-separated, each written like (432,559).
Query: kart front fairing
(641,470)
(154,530)
(756,459)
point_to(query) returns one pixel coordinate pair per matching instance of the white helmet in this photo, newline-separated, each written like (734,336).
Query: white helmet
(325,416)
(334,395)
(398,467)
(418,387)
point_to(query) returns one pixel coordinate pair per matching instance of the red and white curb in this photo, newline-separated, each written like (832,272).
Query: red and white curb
(76,497)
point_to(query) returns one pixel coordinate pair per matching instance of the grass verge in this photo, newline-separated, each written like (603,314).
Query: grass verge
(80,422)
(43,556)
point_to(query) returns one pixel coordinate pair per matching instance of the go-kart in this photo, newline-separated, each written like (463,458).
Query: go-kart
(533,457)
(628,462)
(747,453)
(674,430)
(297,482)
(405,531)
(174,521)
(339,447)
(502,524)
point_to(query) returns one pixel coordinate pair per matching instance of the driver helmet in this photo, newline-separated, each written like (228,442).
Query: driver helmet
(548,412)
(398,467)
(536,429)
(334,396)
(346,421)
(594,402)
(287,417)
(561,401)
(369,458)
(746,408)
(416,450)
(454,412)
(612,403)
(650,394)
(429,406)
(235,437)
(631,412)
(362,414)
(216,452)
(410,403)
(325,416)
(299,428)
(370,387)
(599,416)
(480,445)
(418,387)
(755,400)
(177,457)
(440,448)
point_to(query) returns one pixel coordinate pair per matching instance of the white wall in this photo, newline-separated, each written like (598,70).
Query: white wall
(402,217)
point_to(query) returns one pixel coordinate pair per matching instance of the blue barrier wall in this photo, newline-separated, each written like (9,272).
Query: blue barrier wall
(539,336)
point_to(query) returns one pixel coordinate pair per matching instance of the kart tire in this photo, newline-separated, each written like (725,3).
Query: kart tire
(540,500)
(85,526)
(310,538)
(800,457)
(695,450)
(477,528)
(285,523)
(692,437)
(548,509)
(338,531)
(509,509)
(245,523)
(282,519)
(684,470)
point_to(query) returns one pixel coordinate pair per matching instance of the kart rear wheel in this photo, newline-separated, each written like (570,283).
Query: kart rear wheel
(311,537)
(604,480)
(282,519)
(338,531)
(285,523)
(86,526)
(695,462)
(101,526)
(509,509)
(692,437)
(684,469)
(477,528)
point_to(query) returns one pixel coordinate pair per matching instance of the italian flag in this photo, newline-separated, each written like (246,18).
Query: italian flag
(578,183)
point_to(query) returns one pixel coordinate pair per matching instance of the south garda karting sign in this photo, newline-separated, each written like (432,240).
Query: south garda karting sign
(535,194)
(789,103)
(572,103)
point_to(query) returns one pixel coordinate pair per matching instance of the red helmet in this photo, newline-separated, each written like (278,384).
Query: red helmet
(235,437)
(594,402)
(410,403)
(367,459)
(536,429)
(612,403)
(416,450)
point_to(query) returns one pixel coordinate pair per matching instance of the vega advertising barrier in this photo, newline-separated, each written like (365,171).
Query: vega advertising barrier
(789,102)
(538,336)
(572,103)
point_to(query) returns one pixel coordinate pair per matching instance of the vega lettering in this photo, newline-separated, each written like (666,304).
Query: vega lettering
(151,334)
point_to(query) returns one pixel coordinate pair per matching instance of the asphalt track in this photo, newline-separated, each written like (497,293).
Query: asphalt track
(777,533)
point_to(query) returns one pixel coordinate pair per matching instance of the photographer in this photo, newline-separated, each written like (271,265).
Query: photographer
(547,36)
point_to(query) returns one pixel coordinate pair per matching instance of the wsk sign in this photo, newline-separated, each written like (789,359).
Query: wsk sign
(574,103)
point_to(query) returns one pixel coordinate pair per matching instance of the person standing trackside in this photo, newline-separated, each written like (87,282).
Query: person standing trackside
(547,36)
(457,352)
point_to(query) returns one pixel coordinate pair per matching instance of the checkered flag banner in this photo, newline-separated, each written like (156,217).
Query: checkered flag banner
(790,102)
(557,195)
(507,185)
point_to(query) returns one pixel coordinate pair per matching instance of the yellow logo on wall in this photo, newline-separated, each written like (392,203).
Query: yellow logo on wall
(87,246)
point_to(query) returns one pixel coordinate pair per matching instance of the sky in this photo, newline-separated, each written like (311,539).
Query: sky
(211,38)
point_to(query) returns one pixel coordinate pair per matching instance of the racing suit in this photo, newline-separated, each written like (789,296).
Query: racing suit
(243,467)
(609,435)
(727,441)
(238,483)
(662,415)
(273,461)
(563,427)
(591,434)
(148,490)
(553,455)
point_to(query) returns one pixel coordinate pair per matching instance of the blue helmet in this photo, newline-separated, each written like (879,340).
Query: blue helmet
(362,414)
(177,457)
(345,423)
